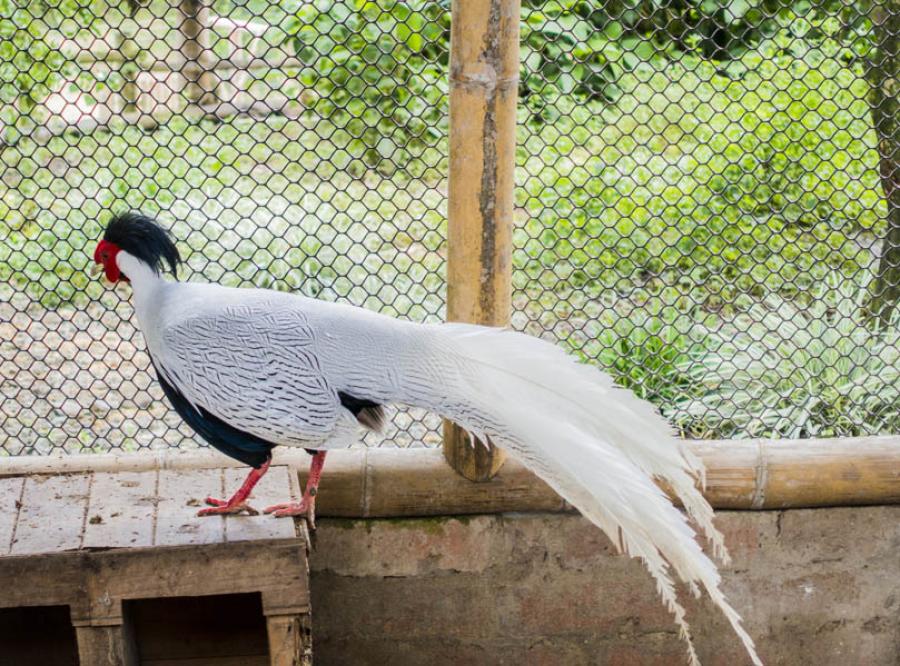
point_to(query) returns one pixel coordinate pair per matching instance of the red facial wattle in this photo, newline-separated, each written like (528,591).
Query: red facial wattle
(105,254)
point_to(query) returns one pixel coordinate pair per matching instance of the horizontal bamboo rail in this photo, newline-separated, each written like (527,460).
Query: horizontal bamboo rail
(380,483)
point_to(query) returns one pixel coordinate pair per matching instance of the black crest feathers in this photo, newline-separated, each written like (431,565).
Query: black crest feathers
(141,237)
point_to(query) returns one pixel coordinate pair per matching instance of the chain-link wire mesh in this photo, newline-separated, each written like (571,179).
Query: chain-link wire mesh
(703,195)
(703,203)
(294,145)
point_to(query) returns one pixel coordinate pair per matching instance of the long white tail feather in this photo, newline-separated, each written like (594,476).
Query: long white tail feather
(582,392)
(600,452)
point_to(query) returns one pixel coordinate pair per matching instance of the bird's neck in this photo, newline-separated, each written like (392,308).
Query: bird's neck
(144,283)
(139,273)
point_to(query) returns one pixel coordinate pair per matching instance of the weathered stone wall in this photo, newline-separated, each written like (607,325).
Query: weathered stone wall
(814,587)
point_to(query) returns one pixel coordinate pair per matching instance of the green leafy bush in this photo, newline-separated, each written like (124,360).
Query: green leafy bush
(779,370)
(379,72)
(719,186)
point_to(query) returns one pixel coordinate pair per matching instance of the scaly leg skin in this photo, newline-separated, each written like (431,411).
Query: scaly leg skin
(307,505)
(238,502)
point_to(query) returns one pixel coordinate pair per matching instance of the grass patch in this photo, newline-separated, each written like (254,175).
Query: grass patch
(779,370)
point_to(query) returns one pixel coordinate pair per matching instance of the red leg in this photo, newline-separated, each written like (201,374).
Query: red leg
(238,501)
(307,505)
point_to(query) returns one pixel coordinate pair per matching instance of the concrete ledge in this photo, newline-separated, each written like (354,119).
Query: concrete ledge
(814,586)
(741,474)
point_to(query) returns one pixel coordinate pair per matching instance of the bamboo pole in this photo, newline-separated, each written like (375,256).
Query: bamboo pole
(380,483)
(484,71)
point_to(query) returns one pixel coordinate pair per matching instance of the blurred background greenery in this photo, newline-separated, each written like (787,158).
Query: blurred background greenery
(701,204)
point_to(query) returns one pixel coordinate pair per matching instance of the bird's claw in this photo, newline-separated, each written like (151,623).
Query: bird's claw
(221,507)
(302,508)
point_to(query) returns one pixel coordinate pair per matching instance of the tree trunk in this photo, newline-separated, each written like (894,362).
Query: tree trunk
(884,77)
(128,63)
(194,30)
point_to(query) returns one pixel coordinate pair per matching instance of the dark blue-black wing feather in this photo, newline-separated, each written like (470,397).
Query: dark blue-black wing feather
(249,449)
(369,413)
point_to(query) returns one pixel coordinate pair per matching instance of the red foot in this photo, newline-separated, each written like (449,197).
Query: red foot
(305,507)
(221,507)
(238,502)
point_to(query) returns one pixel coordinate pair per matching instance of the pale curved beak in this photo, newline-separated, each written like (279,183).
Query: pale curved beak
(96,270)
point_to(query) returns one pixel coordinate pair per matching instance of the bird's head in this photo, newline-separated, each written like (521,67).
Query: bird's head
(140,237)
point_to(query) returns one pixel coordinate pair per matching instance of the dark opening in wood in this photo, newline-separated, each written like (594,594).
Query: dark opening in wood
(37,635)
(215,630)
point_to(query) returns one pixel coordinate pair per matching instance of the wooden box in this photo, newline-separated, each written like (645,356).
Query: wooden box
(123,558)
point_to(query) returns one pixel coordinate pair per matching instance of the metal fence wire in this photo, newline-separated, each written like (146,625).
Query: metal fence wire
(707,195)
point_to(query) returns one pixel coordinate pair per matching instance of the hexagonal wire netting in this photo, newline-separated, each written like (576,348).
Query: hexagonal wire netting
(704,203)
(701,195)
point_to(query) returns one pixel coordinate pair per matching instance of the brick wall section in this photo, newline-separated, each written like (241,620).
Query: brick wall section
(815,586)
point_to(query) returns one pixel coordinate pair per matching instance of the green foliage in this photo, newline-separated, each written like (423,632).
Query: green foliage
(738,187)
(564,53)
(378,69)
(718,30)
(779,370)
(585,48)
(32,64)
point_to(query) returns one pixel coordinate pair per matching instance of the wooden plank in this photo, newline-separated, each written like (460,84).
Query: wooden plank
(131,462)
(484,75)
(274,568)
(290,640)
(106,646)
(52,515)
(120,510)
(209,661)
(273,488)
(181,496)
(55,579)
(10,494)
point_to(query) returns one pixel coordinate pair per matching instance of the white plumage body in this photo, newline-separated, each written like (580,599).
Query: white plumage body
(272,364)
